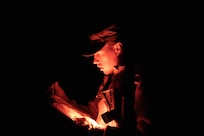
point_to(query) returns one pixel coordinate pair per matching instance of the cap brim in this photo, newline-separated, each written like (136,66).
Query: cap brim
(87,55)
(92,48)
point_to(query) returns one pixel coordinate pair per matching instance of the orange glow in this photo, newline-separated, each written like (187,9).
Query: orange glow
(75,114)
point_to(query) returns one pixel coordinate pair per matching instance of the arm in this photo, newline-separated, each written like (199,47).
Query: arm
(142,108)
(140,123)
(70,108)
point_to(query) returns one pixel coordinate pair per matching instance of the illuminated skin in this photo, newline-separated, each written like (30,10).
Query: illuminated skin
(108,57)
(71,109)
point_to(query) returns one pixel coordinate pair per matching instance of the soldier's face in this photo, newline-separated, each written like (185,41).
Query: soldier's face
(106,59)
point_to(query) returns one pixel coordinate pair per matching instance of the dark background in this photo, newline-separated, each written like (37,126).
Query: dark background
(45,38)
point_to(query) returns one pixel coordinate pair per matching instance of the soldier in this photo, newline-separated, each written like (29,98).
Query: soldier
(109,111)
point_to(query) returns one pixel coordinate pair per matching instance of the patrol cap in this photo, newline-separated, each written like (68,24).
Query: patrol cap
(97,40)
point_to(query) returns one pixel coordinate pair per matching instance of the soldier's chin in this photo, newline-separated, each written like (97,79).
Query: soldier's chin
(102,70)
(106,72)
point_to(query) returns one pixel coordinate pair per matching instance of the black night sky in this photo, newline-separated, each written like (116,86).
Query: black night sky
(45,39)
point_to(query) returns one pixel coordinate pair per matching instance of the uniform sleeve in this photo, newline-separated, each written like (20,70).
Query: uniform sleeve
(142,109)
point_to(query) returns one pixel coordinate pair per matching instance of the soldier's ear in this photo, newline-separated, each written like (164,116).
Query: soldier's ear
(118,48)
